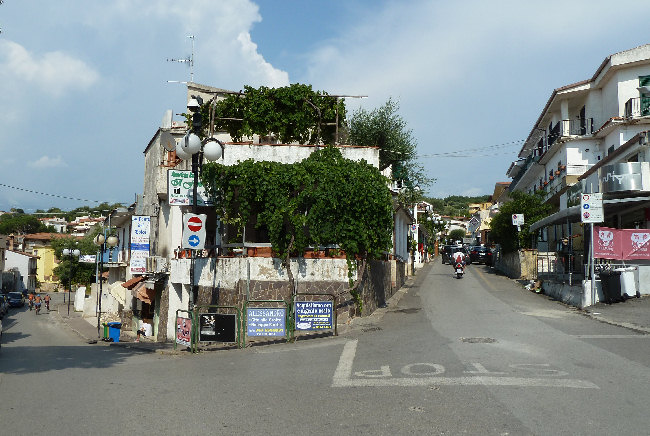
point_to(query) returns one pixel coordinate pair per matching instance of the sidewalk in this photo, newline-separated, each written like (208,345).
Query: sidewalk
(633,313)
(86,329)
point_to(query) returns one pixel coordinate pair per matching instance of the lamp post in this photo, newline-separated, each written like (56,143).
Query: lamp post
(194,148)
(71,253)
(102,241)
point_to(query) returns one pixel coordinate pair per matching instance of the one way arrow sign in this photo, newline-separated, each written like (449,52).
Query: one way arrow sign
(193,231)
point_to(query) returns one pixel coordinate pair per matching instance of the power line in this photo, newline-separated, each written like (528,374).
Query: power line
(49,195)
(463,153)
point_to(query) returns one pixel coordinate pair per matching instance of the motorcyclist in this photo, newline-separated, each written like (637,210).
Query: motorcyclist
(458,256)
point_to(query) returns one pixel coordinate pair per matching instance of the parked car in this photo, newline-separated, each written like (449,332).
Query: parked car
(481,254)
(4,305)
(16,299)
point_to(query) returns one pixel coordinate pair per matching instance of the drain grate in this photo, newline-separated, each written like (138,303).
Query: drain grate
(478,340)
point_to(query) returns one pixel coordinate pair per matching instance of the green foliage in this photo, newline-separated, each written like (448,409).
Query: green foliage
(70,267)
(502,230)
(455,205)
(294,113)
(20,223)
(383,127)
(457,235)
(323,200)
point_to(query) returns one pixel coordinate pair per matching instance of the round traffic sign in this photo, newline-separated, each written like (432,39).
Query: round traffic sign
(193,240)
(194,224)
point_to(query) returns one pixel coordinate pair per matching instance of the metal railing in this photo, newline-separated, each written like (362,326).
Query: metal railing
(560,266)
(637,107)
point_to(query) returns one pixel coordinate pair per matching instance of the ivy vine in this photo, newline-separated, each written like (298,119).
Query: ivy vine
(294,113)
(323,200)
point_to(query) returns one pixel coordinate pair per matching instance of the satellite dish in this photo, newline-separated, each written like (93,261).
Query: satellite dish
(167,140)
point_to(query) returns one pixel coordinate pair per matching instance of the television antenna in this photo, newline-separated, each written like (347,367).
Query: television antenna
(188,60)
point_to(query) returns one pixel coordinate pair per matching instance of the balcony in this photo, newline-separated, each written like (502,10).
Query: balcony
(637,107)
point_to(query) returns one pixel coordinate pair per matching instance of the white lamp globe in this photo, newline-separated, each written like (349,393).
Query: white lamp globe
(66,252)
(181,154)
(212,150)
(99,239)
(112,241)
(191,144)
(76,252)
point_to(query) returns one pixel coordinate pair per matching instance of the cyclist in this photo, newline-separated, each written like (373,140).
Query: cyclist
(37,303)
(47,301)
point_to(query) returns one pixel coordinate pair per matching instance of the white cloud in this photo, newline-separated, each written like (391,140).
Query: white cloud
(221,30)
(48,162)
(53,73)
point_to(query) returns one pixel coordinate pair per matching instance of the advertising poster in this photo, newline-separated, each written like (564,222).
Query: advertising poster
(180,189)
(140,228)
(184,331)
(621,244)
(636,243)
(314,315)
(217,327)
(266,322)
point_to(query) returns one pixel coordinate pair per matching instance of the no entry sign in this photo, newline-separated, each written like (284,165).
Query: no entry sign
(194,231)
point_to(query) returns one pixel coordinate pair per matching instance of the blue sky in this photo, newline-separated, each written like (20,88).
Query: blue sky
(83,83)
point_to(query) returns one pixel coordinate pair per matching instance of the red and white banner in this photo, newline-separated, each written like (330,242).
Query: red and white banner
(621,244)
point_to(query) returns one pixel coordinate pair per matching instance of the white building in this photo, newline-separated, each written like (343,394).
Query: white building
(25,264)
(221,270)
(588,134)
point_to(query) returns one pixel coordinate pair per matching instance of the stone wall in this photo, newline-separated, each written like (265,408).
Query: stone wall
(377,286)
(520,264)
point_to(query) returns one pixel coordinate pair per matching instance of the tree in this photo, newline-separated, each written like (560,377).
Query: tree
(323,200)
(457,235)
(22,224)
(84,273)
(503,232)
(383,127)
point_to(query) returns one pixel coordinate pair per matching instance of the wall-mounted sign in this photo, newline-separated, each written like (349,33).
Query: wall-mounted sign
(314,315)
(625,176)
(140,228)
(266,322)
(180,185)
(88,258)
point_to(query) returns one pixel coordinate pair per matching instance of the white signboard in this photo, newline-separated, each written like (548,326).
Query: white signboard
(140,228)
(591,208)
(180,192)
(517,219)
(88,258)
(193,231)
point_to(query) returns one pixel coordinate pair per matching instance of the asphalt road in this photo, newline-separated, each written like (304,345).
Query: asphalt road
(475,356)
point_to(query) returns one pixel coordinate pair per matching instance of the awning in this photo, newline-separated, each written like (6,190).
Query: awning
(130,284)
(572,214)
(145,295)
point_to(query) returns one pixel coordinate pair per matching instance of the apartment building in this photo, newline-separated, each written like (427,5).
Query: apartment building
(591,137)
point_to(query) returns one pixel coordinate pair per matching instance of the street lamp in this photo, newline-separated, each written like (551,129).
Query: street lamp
(192,147)
(71,253)
(102,241)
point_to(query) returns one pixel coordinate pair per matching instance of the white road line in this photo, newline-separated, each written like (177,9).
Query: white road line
(468,381)
(343,377)
(344,368)
(612,336)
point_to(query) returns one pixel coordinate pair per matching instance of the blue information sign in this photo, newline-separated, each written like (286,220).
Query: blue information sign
(266,322)
(314,315)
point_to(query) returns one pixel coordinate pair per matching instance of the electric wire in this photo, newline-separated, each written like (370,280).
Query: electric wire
(463,153)
(65,197)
